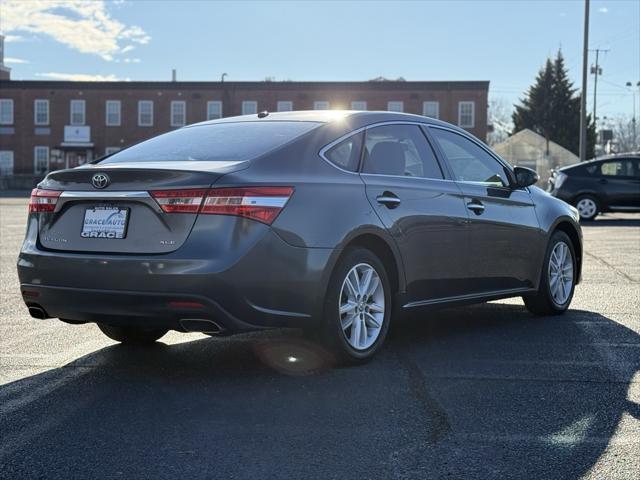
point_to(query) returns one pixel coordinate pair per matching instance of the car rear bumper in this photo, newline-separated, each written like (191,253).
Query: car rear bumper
(259,282)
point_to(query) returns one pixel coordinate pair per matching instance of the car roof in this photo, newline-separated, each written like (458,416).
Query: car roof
(329,116)
(593,161)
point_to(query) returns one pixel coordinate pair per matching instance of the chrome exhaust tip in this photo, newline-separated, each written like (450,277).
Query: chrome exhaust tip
(200,325)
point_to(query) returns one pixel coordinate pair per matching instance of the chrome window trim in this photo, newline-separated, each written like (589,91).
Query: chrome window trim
(76,194)
(71,195)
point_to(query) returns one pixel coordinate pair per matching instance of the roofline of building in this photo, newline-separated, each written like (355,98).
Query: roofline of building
(249,85)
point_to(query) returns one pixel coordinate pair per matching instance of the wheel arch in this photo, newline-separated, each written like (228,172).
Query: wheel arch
(382,245)
(574,235)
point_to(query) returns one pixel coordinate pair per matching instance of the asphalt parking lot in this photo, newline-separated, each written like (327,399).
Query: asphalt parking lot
(487,391)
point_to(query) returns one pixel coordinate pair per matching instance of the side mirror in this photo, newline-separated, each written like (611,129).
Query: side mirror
(525,176)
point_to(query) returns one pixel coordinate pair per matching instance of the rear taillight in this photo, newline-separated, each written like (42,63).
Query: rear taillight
(43,200)
(559,179)
(179,201)
(258,203)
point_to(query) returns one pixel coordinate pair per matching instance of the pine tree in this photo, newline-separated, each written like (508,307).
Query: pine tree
(551,108)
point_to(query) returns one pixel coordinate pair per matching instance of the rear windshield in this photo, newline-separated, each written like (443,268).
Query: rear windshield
(218,142)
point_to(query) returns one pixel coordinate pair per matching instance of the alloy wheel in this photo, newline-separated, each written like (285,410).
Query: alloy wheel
(560,273)
(361,306)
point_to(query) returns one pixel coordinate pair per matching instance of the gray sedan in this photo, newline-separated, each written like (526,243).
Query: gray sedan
(334,222)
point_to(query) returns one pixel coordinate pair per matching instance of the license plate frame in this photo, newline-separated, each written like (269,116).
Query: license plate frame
(105,222)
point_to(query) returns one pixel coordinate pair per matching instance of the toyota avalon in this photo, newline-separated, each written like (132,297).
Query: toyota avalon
(333,222)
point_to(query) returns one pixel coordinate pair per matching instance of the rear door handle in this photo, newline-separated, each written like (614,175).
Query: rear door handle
(476,207)
(388,199)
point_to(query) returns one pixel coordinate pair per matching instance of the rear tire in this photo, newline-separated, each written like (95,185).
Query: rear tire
(357,310)
(558,279)
(588,207)
(132,335)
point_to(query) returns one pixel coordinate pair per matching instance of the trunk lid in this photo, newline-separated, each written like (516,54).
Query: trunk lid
(127,202)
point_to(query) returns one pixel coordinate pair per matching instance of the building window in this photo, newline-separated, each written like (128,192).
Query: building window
(178,113)
(145,113)
(249,107)
(358,105)
(285,106)
(6,162)
(395,106)
(113,113)
(431,109)
(40,160)
(466,114)
(321,105)
(41,112)
(214,110)
(6,111)
(110,150)
(77,108)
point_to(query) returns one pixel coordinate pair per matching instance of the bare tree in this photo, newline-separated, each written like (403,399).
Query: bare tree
(500,111)
(626,135)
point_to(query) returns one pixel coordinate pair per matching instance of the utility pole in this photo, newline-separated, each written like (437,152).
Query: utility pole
(596,70)
(583,96)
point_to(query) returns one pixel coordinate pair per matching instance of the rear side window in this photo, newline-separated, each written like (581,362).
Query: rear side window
(223,142)
(618,168)
(346,154)
(400,150)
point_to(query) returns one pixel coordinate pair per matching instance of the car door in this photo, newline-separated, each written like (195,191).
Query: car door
(423,211)
(620,184)
(506,245)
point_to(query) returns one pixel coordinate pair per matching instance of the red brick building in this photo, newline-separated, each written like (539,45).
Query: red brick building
(47,125)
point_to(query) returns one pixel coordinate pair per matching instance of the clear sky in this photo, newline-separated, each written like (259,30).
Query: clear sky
(505,42)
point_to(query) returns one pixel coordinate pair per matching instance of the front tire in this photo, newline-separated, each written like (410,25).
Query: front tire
(558,278)
(357,310)
(588,207)
(132,335)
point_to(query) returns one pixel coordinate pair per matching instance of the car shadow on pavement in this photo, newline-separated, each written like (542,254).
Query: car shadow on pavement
(487,391)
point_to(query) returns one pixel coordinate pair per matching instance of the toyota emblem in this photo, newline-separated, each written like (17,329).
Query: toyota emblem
(100,180)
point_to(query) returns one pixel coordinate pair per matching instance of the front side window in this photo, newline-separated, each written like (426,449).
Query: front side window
(400,150)
(6,111)
(40,159)
(77,112)
(395,106)
(113,111)
(215,142)
(178,114)
(214,110)
(249,107)
(431,109)
(145,113)
(346,154)
(41,112)
(470,162)
(466,114)
(285,106)
(618,168)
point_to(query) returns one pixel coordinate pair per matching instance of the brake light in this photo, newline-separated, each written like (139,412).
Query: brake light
(258,203)
(43,200)
(179,201)
(263,204)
